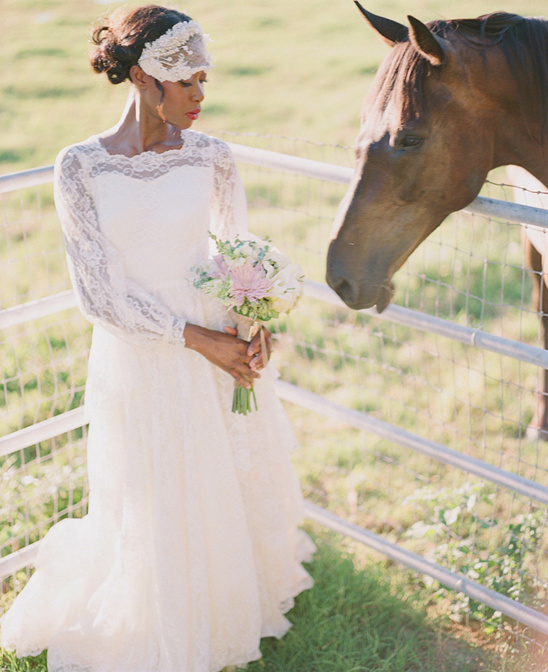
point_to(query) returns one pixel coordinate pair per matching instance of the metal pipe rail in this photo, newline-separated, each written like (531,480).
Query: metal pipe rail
(529,354)
(25,178)
(319,170)
(453,580)
(34,310)
(437,325)
(394,313)
(42,431)
(437,451)
(70,420)
(487,207)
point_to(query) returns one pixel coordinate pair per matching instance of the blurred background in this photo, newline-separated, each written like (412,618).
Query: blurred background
(293,67)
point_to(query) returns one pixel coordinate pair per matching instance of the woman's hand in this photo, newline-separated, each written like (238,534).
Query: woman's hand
(255,350)
(229,353)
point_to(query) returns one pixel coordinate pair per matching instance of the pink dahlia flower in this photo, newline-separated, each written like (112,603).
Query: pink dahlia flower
(249,282)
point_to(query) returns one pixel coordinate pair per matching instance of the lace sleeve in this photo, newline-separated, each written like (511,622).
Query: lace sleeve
(104,294)
(228,203)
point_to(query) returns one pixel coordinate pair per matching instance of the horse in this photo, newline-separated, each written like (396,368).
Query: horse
(452,100)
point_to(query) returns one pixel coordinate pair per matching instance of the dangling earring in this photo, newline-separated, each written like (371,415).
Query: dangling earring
(160,110)
(160,106)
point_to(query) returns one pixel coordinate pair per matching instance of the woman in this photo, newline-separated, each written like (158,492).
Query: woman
(190,552)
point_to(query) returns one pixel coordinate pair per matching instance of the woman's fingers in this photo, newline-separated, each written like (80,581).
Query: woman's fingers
(223,349)
(256,363)
(255,354)
(244,376)
(259,349)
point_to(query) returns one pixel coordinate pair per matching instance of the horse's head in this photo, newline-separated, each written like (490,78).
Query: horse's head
(423,151)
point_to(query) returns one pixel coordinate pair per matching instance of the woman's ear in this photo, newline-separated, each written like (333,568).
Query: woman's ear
(138,77)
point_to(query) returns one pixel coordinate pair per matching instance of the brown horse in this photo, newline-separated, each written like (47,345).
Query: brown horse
(452,100)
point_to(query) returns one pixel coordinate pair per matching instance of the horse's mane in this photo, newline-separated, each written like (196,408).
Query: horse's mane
(524,42)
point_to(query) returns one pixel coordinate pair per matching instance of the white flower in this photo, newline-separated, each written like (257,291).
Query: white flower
(286,289)
(235,263)
(209,267)
(288,279)
(281,306)
(277,257)
(247,250)
(213,287)
(269,269)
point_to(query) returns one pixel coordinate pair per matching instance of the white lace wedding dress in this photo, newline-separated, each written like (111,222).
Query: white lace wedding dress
(190,552)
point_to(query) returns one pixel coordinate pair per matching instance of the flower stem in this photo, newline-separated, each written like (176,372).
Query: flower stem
(241,400)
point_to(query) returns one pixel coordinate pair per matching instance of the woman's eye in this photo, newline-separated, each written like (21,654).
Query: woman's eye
(187,83)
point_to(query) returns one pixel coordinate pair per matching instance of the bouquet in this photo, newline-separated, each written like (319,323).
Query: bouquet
(255,280)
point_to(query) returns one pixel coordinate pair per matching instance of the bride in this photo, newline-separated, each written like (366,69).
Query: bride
(190,552)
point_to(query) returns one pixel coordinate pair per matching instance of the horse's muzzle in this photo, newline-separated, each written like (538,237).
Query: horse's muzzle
(360,285)
(358,296)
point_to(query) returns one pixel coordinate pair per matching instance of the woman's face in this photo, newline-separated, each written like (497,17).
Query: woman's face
(181,103)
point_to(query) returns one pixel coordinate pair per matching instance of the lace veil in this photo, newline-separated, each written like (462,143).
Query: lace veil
(177,54)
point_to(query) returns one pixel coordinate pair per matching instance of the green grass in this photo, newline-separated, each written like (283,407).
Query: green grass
(294,68)
(10,663)
(356,620)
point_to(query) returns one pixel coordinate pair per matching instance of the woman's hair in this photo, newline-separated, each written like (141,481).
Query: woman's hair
(121,39)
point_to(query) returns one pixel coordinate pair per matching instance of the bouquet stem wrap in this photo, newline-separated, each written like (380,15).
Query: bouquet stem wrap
(247,328)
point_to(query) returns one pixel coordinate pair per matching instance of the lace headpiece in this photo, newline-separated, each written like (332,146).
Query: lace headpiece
(177,54)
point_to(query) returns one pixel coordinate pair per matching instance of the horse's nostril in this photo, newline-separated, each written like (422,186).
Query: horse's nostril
(333,280)
(340,285)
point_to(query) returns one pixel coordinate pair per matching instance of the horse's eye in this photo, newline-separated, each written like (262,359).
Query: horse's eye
(410,141)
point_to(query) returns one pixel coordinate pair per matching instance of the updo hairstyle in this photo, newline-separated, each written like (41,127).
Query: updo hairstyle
(120,41)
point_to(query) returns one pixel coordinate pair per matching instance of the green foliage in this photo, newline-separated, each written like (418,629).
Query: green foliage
(10,663)
(452,519)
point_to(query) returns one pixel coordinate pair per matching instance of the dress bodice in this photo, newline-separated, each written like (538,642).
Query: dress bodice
(135,226)
(160,227)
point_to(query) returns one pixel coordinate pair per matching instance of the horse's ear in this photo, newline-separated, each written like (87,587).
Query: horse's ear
(391,32)
(425,42)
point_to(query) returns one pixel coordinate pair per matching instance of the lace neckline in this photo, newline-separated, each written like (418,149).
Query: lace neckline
(148,155)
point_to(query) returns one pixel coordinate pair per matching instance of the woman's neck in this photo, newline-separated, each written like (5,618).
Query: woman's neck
(139,131)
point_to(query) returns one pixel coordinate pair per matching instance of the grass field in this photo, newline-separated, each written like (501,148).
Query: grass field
(299,70)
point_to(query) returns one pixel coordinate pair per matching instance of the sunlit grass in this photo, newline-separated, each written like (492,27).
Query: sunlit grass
(297,69)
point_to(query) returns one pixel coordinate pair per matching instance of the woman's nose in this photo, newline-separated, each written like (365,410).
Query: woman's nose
(199,94)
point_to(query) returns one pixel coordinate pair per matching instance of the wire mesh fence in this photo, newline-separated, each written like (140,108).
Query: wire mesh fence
(43,374)
(470,271)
